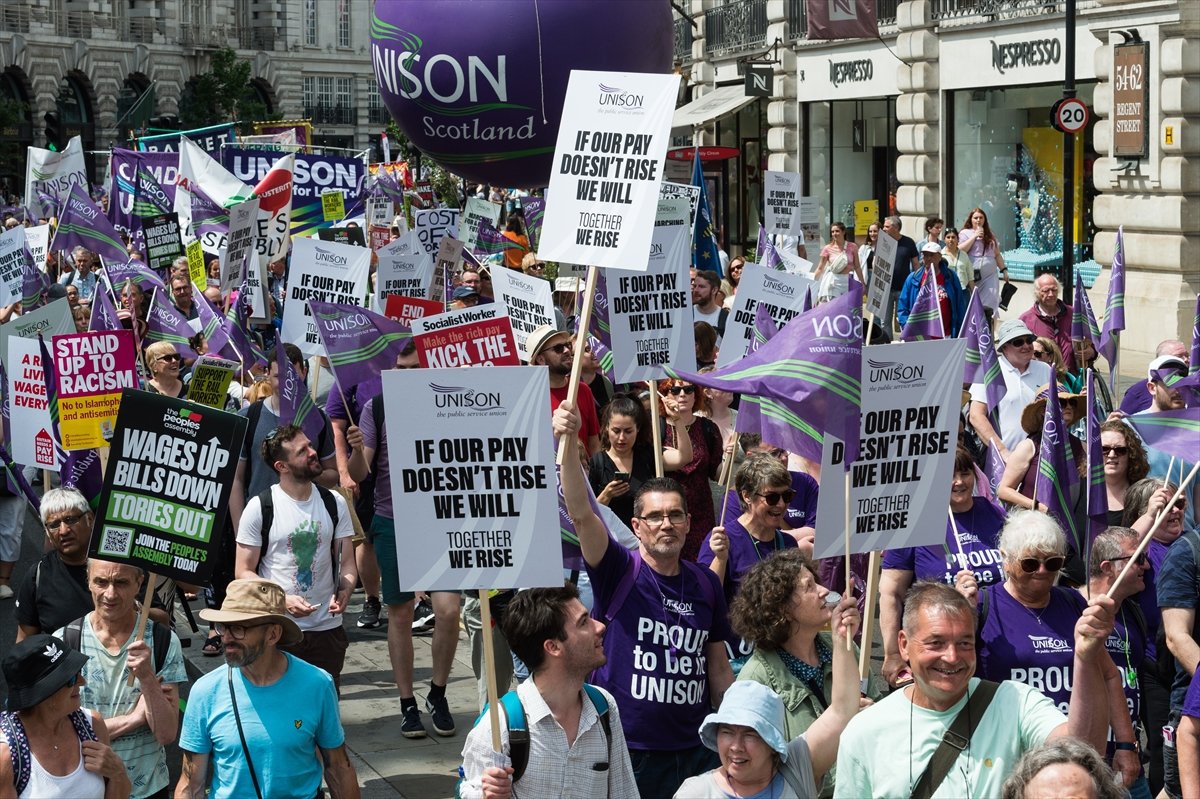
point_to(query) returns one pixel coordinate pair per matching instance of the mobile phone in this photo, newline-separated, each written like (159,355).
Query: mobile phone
(622,477)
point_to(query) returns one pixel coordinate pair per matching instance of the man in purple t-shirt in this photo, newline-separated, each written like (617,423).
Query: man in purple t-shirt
(667,624)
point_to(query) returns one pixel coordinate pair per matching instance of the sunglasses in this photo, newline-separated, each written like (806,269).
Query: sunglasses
(773,497)
(1118,451)
(537,266)
(1052,564)
(172,357)
(1039,354)
(1139,560)
(559,349)
(1022,341)
(677,390)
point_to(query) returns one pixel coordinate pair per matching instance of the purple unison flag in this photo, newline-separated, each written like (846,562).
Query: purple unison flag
(925,321)
(807,305)
(1083,320)
(1174,432)
(1194,368)
(360,343)
(295,405)
(842,19)
(207,213)
(1097,493)
(603,354)
(144,276)
(1114,308)
(981,365)
(34,284)
(49,202)
(491,241)
(104,313)
(16,479)
(1055,475)
(238,325)
(534,211)
(750,417)
(813,368)
(82,223)
(165,323)
(215,334)
(993,464)
(598,324)
(764,251)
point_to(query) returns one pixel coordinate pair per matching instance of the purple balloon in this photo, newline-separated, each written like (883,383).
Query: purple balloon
(478,85)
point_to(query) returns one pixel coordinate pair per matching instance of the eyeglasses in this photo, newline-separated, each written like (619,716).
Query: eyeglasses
(172,357)
(236,631)
(677,390)
(1052,564)
(537,266)
(773,497)
(1139,560)
(559,349)
(1120,452)
(676,517)
(69,521)
(1022,341)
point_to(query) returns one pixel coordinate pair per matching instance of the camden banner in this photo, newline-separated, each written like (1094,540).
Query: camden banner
(311,177)
(166,489)
(137,176)
(91,370)
(473,478)
(607,169)
(900,483)
(781,293)
(325,272)
(650,313)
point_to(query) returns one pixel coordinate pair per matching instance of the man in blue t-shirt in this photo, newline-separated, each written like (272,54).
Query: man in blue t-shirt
(277,756)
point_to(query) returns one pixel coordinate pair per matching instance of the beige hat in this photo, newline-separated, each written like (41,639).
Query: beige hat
(540,338)
(252,600)
(1034,414)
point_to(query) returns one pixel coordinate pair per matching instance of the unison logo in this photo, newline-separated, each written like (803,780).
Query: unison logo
(612,95)
(895,372)
(462,397)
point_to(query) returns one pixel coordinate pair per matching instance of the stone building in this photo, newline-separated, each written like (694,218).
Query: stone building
(949,110)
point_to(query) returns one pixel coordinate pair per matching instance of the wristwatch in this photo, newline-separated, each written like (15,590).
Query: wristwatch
(1125,746)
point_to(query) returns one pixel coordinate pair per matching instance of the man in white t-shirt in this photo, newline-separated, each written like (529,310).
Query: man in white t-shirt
(1023,376)
(705,308)
(308,549)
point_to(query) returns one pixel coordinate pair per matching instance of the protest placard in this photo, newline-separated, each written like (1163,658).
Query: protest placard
(668,190)
(404,310)
(29,417)
(37,239)
(379,212)
(449,255)
(12,265)
(333,206)
(352,234)
(91,370)
(650,315)
(163,242)
(781,293)
(476,210)
(529,302)
(326,272)
(881,277)
(403,271)
(210,381)
(473,478)
(430,225)
(608,162)
(378,236)
(480,336)
(781,194)
(900,483)
(810,225)
(197,273)
(243,227)
(49,320)
(166,488)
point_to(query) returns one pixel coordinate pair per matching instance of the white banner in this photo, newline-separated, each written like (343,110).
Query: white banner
(12,265)
(881,278)
(401,271)
(323,271)
(198,168)
(650,314)
(781,193)
(239,244)
(274,193)
(54,173)
(50,320)
(529,302)
(900,485)
(477,209)
(32,442)
(608,162)
(37,239)
(782,294)
(473,478)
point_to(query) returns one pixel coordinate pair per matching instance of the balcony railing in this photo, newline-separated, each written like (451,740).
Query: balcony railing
(331,114)
(258,38)
(735,27)
(683,40)
(15,19)
(378,116)
(139,29)
(797,16)
(993,9)
(203,35)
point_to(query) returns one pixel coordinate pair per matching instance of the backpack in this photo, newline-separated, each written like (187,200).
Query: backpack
(268,519)
(518,729)
(73,637)
(18,743)
(254,413)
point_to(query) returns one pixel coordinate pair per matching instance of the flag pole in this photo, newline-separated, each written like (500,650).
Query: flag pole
(874,567)
(585,319)
(962,556)
(489,662)
(143,614)
(656,429)
(728,481)
(846,525)
(1145,542)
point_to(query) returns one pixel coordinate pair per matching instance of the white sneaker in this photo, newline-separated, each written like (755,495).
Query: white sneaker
(6,592)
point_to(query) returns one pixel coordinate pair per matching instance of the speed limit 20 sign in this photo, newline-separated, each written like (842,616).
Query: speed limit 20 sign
(1070,115)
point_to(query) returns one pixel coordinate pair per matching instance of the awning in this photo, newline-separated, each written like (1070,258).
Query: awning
(718,103)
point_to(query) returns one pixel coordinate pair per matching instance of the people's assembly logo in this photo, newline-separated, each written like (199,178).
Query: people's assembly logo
(893,372)
(465,399)
(183,420)
(617,97)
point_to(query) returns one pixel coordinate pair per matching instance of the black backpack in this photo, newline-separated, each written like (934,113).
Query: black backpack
(253,414)
(268,518)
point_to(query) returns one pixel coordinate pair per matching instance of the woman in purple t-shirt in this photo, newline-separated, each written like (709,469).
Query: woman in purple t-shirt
(971,543)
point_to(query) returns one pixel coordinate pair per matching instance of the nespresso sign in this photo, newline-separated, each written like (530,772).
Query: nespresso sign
(1036,53)
(859,71)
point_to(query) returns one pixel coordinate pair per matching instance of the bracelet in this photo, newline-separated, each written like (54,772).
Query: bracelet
(1125,746)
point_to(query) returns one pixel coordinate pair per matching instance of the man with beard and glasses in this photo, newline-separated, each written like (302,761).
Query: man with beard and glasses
(297,535)
(555,349)
(262,719)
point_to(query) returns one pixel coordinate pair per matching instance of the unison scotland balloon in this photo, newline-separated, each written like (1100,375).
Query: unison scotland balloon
(478,85)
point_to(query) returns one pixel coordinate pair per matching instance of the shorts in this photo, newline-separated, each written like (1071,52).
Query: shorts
(382,536)
(325,649)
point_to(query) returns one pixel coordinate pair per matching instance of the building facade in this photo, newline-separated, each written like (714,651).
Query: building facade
(950,110)
(91,61)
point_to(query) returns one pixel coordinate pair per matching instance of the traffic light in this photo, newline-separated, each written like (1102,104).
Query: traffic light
(55,136)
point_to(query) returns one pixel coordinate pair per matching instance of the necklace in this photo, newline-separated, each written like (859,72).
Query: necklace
(678,606)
